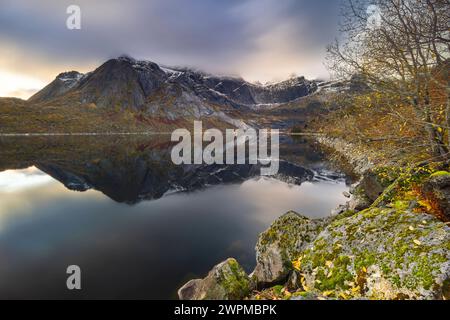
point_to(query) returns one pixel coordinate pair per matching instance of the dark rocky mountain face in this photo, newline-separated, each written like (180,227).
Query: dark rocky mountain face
(133,169)
(62,84)
(120,82)
(126,95)
(126,83)
(139,179)
(239,92)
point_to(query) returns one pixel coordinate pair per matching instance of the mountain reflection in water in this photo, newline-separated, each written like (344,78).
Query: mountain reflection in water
(164,225)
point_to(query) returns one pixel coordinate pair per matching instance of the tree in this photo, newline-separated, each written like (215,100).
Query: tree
(402,50)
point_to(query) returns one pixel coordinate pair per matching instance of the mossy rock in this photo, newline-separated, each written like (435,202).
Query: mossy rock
(226,281)
(375,181)
(380,253)
(359,200)
(440,174)
(278,245)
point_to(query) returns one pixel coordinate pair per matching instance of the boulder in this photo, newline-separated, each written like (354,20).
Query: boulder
(437,189)
(277,246)
(340,209)
(379,253)
(359,200)
(371,186)
(226,281)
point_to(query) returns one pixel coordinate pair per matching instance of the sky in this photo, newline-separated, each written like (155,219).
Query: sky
(259,40)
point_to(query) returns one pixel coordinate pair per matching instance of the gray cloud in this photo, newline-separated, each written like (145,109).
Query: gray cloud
(233,36)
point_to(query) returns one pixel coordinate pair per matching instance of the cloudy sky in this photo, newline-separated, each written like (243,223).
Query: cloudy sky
(260,40)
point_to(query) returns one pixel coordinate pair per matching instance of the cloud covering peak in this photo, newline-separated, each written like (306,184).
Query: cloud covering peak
(261,40)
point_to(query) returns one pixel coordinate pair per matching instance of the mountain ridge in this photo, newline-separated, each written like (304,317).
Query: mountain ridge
(136,80)
(128,95)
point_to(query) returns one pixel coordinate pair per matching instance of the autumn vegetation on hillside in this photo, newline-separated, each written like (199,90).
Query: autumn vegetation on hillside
(401,50)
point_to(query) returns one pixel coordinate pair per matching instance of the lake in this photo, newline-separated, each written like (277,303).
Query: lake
(138,226)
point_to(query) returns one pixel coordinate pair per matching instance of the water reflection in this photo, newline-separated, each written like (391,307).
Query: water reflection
(13,180)
(182,221)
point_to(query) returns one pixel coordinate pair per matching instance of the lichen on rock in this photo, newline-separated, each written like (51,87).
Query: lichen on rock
(226,281)
(279,244)
(359,199)
(380,253)
(394,247)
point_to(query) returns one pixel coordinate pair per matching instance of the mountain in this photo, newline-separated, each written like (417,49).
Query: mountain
(141,179)
(130,169)
(128,83)
(127,95)
(63,83)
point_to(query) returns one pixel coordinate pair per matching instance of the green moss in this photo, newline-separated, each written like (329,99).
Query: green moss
(302,294)
(235,280)
(440,174)
(392,240)
(344,214)
(423,271)
(404,252)
(364,259)
(339,275)
(277,289)
(289,234)
(404,189)
(401,204)
(387,175)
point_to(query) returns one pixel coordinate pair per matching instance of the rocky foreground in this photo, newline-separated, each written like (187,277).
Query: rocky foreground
(390,241)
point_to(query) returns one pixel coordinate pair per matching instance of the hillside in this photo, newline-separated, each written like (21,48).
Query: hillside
(124,95)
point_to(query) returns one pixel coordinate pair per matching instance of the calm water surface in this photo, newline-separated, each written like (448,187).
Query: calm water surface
(137,228)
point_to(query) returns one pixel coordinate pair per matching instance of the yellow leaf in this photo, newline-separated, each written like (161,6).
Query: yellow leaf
(426,205)
(303,282)
(297,264)
(330,274)
(364,269)
(328,293)
(411,228)
(329,264)
(343,296)
(356,289)
(417,242)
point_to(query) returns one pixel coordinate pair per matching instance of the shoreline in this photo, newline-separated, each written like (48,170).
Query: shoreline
(339,257)
(82,134)
(38,134)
